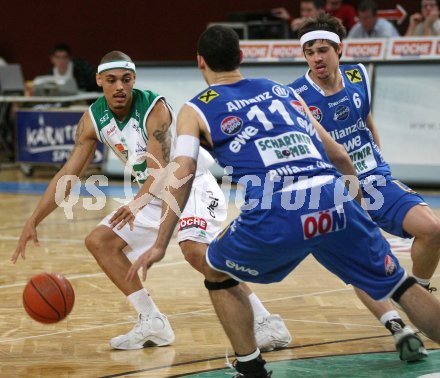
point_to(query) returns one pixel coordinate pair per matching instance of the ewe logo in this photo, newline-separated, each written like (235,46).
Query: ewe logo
(231,125)
(280,91)
(240,268)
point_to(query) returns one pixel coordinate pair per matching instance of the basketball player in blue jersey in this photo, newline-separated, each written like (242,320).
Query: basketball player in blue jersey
(253,127)
(339,98)
(136,125)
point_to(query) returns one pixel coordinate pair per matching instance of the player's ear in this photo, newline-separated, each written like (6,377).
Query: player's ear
(200,62)
(98,80)
(339,52)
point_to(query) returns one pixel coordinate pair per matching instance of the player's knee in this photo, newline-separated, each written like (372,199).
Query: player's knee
(434,231)
(429,231)
(193,259)
(95,243)
(91,242)
(194,253)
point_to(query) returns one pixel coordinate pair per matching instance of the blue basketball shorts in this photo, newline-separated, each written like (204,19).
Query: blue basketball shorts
(265,245)
(390,201)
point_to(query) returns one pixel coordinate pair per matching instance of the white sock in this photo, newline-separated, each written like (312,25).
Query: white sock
(249,357)
(257,307)
(423,281)
(390,315)
(142,302)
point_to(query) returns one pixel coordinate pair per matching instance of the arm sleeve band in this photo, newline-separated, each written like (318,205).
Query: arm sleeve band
(187,145)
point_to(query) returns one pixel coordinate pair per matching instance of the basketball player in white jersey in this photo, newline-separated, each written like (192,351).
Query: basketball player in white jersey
(136,125)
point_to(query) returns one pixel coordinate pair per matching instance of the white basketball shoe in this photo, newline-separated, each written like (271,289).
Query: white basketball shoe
(149,331)
(271,333)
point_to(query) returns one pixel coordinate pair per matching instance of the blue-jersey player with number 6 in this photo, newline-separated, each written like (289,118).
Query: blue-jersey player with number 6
(339,98)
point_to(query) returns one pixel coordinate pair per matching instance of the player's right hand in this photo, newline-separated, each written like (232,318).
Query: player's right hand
(145,261)
(29,232)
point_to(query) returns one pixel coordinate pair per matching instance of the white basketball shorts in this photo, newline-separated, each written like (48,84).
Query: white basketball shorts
(201,219)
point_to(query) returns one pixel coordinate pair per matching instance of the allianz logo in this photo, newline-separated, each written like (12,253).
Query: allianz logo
(239,268)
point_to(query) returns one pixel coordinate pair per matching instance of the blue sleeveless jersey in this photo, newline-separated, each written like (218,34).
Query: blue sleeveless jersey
(257,130)
(344,116)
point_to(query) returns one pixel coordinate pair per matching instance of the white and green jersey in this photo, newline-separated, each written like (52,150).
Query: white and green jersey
(128,139)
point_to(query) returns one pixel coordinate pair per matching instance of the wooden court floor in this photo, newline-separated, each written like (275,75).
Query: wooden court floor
(322,313)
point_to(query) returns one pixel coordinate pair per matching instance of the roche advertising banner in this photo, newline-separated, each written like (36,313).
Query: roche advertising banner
(48,136)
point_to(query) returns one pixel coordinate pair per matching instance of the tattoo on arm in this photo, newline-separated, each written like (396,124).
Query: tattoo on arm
(79,132)
(163,136)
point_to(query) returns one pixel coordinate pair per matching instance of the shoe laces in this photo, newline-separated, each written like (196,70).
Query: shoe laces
(141,324)
(261,323)
(431,289)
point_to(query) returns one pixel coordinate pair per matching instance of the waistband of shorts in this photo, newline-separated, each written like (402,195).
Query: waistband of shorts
(308,183)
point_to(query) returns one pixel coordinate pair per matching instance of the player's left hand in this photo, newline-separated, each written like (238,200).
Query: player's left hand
(121,217)
(146,260)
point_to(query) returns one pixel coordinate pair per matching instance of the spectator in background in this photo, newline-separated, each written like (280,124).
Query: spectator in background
(426,23)
(345,12)
(307,9)
(65,67)
(369,25)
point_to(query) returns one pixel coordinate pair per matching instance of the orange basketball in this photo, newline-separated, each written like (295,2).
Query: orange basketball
(48,297)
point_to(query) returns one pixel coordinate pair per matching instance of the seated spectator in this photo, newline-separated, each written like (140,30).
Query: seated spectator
(345,12)
(369,25)
(65,67)
(307,9)
(426,23)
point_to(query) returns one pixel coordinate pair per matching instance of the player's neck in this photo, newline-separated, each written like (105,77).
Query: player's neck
(224,78)
(122,113)
(331,84)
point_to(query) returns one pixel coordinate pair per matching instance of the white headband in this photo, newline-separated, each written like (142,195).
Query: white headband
(117,64)
(319,34)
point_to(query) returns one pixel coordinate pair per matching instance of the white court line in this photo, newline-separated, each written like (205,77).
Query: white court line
(80,276)
(67,241)
(169,316)
(49,240)
(335,323)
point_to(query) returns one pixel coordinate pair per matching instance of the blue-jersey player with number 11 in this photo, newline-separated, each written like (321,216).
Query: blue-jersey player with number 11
(339,98)
(295,202)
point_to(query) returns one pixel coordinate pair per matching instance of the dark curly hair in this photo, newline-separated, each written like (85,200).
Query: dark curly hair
(326,22)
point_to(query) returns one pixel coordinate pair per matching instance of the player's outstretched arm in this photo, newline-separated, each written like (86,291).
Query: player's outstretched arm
(335,151)
(180,178)
(158,157)
(82,153)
